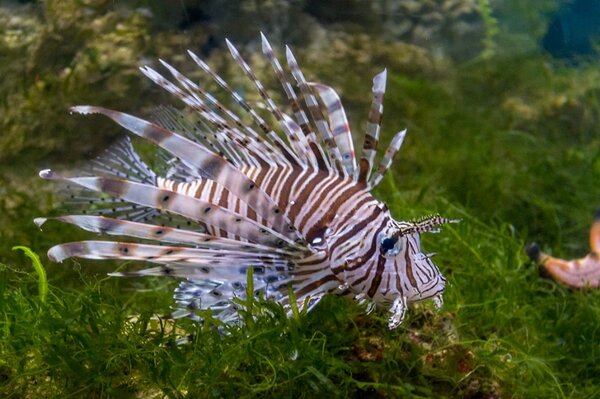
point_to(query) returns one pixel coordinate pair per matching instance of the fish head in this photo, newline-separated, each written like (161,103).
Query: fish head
(387,262)
(405,269)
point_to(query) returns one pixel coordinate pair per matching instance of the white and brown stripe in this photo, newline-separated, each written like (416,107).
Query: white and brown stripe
(297,208)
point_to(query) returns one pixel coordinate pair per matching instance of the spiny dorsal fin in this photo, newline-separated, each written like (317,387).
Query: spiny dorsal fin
(291,130)
(246,139)
(288,153)
(258,120)
(338,124)
(315,112)
(260,151)
(388,158)
(373,128)
(318,159)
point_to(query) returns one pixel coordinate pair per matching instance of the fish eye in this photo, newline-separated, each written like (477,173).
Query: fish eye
(390,245)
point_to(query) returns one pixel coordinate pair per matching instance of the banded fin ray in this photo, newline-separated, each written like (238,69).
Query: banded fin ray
(232,132)
(318,159)
(298,140)
(314,110)
(212,165)
(191,257)
(224,131)
(338,123)
(189,207)
(258,120)
(289,129)
(118,227)
(371,139)
(388,158)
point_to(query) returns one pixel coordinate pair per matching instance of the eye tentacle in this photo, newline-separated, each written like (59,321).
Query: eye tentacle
(427,224)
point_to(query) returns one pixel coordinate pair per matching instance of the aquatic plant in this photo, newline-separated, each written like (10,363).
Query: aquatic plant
(491,28)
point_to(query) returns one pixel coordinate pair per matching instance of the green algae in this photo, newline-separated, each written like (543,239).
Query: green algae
(514,335)
(39,269)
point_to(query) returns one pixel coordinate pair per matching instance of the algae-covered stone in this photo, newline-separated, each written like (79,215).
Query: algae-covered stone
(67,54)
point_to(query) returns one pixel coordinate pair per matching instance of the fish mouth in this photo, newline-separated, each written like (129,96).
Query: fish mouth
(432,288)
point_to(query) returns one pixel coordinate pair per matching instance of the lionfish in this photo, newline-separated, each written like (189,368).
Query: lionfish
(291,200)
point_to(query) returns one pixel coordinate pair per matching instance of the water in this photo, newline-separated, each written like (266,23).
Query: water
(501,102)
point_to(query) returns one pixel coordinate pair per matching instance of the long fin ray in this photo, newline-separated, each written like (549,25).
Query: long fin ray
(212,165)
(224,131)
(180,204)
(313,108)
(318,159)
(258,120)
(371,139)
(118,227)
(233,131)
(191,257)
(290,133)
(388,158)
(338,123)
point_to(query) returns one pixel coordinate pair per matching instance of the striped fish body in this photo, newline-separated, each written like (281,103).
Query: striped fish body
(297,209)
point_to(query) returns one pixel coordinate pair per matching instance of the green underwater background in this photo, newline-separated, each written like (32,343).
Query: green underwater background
(503,133)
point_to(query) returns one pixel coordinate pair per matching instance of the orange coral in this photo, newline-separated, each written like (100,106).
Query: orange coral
(576,273)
